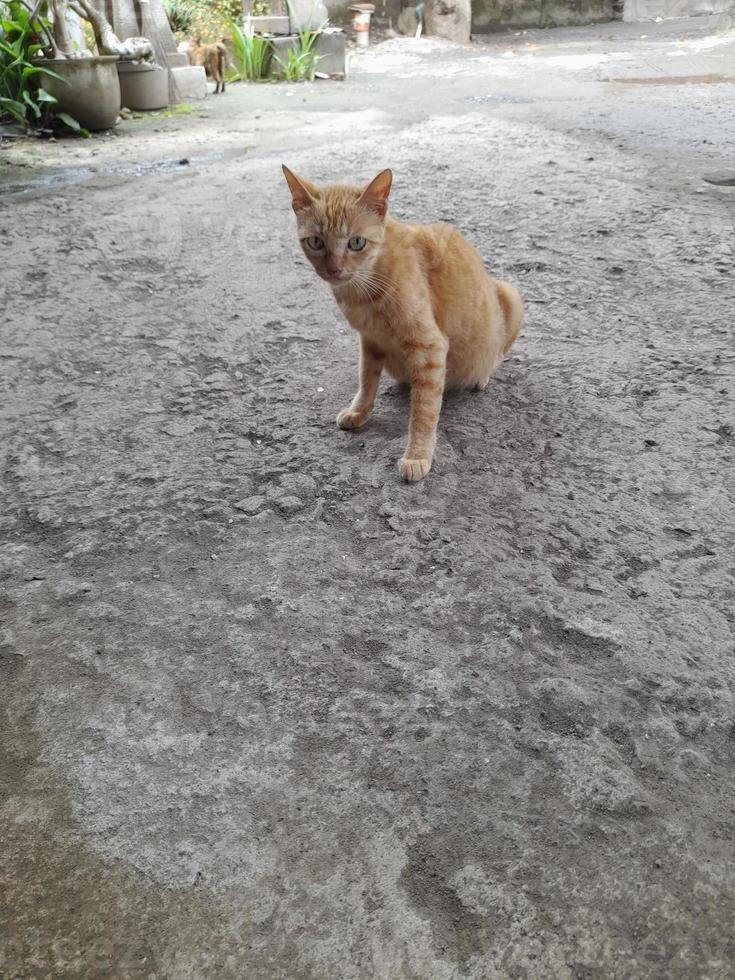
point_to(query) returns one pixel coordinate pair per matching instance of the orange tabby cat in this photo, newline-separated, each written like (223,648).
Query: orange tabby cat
(418,295)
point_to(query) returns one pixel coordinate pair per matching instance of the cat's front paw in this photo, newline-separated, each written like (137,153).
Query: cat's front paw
(349,419)
(414,469)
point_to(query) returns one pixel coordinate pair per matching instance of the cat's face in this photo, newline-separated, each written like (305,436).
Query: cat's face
(341,228)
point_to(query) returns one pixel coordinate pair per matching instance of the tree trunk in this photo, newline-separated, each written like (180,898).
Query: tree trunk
(63,45)
(134,48)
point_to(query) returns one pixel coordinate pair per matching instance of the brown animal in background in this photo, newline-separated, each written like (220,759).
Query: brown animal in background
(211,57)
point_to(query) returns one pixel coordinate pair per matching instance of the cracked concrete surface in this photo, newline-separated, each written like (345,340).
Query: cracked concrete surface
(267,712)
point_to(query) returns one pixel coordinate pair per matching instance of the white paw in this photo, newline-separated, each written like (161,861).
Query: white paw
(347,419)
(414,469)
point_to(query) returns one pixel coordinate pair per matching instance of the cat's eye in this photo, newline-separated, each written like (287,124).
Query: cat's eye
(357,243)
(314,243)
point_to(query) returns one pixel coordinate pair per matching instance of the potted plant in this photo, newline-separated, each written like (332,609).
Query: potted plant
(86,86)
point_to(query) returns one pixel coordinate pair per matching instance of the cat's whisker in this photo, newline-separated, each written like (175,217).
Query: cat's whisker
(369,288)
(385,291)
(372,280)
(373,288)
(361,287)
(382,282)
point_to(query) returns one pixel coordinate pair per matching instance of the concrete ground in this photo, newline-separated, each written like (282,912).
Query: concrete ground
(266,711)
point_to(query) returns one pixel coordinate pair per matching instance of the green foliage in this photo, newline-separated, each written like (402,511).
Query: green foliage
(21,97)
(70,122)
(20,39)
(180,109)
(180,15)
(210,19)
(252,54)
(300,63)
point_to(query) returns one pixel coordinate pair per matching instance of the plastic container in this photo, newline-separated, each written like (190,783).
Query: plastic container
(361,22)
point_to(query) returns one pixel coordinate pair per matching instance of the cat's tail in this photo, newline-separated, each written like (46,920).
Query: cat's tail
(512,307)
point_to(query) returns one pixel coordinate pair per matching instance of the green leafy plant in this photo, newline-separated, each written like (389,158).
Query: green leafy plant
(252,54)
(210,18)
(21,99)
(70,123)
(180,15)
(300,63)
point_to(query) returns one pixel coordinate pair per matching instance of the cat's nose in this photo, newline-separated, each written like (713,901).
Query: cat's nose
(334,271)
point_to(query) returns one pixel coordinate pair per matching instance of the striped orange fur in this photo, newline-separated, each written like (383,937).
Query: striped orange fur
(418,295)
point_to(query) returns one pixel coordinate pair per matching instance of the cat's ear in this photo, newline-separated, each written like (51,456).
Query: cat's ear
(302,192)
(375,195)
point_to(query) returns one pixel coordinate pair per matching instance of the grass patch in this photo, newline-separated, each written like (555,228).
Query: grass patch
(182,109)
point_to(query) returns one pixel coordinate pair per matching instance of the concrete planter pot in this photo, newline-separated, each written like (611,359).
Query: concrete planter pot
(142,86)
(88,89)
(269,24)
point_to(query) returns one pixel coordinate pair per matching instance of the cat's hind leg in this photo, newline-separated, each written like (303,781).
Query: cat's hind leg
(484,381)
(511,309)
(371,366)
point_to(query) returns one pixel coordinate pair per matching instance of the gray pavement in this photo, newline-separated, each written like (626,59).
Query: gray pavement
(266,711)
